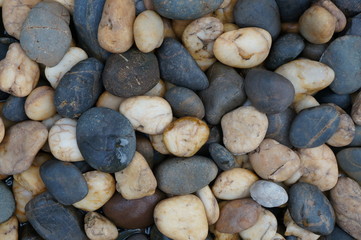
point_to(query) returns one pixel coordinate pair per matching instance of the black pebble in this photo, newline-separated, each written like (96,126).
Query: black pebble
(291,10)
(14,110)
(279,125)
(221,156)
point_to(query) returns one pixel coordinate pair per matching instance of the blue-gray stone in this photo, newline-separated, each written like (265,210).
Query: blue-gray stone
(14,109)
(291,10)
(327,96)
(7,202)
(349,159)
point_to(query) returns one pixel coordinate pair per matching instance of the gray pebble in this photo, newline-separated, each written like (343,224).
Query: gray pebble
(268,194)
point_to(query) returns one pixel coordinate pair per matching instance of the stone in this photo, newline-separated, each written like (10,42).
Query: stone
(31,180)
(291,10)
(180,176)
(328,96)
(132,214)
(22,197)
(106,139)
(336,234)
(310,209)
(63,181)
(9,230)
(210,204)
(221,156)
(79,88)
(279,125)
(7,203)
(97,227)
(268,194)
(349,160)
(265,227)
(14,109)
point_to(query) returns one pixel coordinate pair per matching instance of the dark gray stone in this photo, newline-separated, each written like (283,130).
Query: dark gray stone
(179,176)
(185,102)
(79,89)
(349,159)
(185,9)
(310,209)
(268,91)
(354,26)
(178,67)
(291,10)
(327,96)
(28,233)
(64,181)
(106,139)
(285,49)
(7,202)
(279,125)
(52,220)
(312,127)
(131,73)
(356,142)
(345,61)
(337,234)
(348,7)
(14,110)
(313,51)
(86,17)
(221,156)
(223,81)
(258,13)
(45,35)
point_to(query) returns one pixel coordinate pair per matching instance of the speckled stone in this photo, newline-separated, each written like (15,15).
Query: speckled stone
(310,209)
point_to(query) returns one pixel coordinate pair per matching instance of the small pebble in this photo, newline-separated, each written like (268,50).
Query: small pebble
(268,194)
(7,203)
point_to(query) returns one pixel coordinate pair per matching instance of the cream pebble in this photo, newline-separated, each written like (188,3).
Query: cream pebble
(71,57)
(136,180)
(307,101)
(264,229)
(319,167)
(243,48)
(274,161)
(158,143)
(18,73)
(98,227)
(109,100)
(62,140)
(268,194)
(39,105)
(147,114)
(185,136)
(210,204)
(22,197)
(158,90)
(9,229)
(148,31)
(307,76)
(292,229)
(31,180)
(101,188)
(198,38)
(182,218)
(233,184)
(243,129)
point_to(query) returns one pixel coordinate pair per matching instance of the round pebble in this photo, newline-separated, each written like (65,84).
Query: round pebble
(268,194)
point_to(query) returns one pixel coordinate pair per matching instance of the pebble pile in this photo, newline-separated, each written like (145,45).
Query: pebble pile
(180,119)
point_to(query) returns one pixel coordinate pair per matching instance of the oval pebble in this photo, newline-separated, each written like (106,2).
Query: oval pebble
(39,105)
(63,181)
(79,89)
(98,227)
(221,156)
(14,109)
(7,203)
(46,213)
(349,161)
(268,194)
(310,209)
(106,139)
(279,125)
(265,227)
(179,176)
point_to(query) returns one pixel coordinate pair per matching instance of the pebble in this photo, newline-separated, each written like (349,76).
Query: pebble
(234,183)
(268,194)
(307,76)
(145,148)
(63,181)
(185,9)
(184,102)
(14,109)
(310,209)
(31,180)
(181,217)
(62,140)
(314,126)
(9,230)
(328,96)
(18,73)
(337,234)
(115,31)
(79,88)
(285,49)
(356,109)
(279,125)
(20,145)
(132,214)
(45,35)
(101,187)
(349,7)
(348,159)
(46,213)
(243,129)
(7,203)
(354,26)
(158,144)
(22,196)
(136,180)
(290,11)
(70,59)
(313,51)
(269,92)
(294,232)
(345,199)
(223,80)
(97,227)
(106,139)
(265,227)
(180,176)
(341,56)
(148,31)
(319,167)
(258,13)
(307,101)
(178,67)
(221,156)
(243,48)
(185,136)
(39,105)
(274,161)
(28,233)
(238,215)
(131,73)
(156,235)
(108,100)
(210,204)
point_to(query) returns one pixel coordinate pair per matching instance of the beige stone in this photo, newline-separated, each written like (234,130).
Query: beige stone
(9,229)
(22,196)
(264,229)
(39,105)
(210,204)
(31,180)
